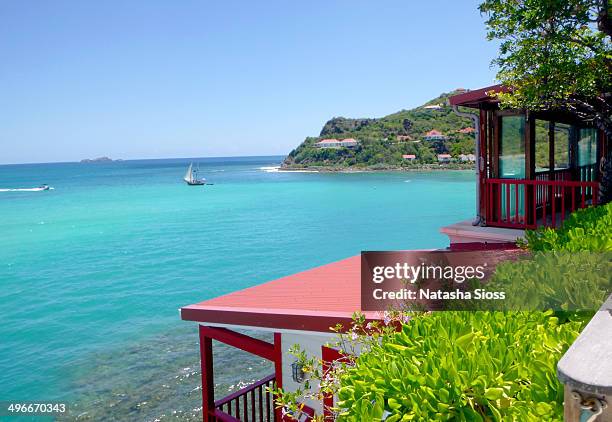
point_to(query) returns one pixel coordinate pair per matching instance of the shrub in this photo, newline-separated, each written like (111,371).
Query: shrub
(589,229)
(482,365)
(463,366)
(561,281)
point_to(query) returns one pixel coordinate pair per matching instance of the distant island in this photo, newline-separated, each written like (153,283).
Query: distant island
(98,160)
(429,136)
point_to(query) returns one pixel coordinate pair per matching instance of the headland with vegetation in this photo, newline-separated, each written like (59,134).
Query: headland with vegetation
(428,137)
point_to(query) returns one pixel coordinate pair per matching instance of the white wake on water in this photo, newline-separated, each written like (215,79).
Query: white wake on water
(25,189)
(270,169)
(277,169)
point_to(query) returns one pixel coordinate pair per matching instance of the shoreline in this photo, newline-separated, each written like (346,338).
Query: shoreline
(425,167)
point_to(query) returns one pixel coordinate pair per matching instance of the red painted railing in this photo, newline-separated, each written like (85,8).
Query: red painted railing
(520,204)
(253,403)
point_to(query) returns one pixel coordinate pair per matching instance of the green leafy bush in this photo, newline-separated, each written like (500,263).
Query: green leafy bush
(482,365)
(589,229)
(557,280)
(461,366)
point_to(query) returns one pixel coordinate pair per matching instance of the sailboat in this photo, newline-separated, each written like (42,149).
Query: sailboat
(191,177)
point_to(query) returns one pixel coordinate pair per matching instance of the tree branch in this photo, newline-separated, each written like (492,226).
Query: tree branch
(604,24)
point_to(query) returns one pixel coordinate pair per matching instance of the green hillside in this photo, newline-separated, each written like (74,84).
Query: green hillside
(384,140)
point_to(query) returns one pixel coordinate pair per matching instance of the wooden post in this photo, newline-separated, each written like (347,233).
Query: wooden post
(528,202)
(278,371)
(208,385)
(481,162)
(329,356)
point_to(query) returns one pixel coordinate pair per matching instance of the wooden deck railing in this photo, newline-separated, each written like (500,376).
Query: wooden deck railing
(586,371)
(526,204)
(253,403)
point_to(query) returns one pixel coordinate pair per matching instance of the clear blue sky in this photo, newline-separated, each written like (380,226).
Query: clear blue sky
(153,79)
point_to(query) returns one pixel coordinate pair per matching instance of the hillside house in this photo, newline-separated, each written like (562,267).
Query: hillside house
(349,142)
(467,130)
(435,135)
(327,143)
(444,158)
(467,158)
(337,143)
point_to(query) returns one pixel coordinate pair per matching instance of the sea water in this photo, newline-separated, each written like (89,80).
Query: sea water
(92,273)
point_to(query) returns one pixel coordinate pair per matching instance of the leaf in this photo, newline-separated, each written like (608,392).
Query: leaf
(494,393)
(464,340)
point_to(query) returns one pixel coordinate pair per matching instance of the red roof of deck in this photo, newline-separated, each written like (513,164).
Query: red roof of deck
(312,300)
(476,97)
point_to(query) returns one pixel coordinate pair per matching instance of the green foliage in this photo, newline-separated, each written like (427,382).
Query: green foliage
(589,229)
(557,280)
(483,366)
(379,142)
(570,268)
(551,53)
(461,366)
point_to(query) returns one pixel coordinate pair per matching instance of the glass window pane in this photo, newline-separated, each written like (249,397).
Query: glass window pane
(512,148)
(587,154)
(562,145)
(542,148)
(512,166)
(587,146)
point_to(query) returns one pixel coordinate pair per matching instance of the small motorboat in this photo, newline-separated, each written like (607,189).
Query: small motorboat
(191,177)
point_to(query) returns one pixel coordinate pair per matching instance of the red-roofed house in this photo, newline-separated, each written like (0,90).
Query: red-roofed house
(410,157)
(467,130)
(337,143)
(349,142)
(444,158)
(328,143)
(516,188)
(434,135)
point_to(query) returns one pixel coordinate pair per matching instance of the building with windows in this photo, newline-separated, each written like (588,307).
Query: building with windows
(337,143)
(444,158)
(435,135)
(534,168)
(467,158)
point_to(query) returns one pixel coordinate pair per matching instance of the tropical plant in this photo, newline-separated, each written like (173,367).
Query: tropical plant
(589,229)
(461,366)
(481,365)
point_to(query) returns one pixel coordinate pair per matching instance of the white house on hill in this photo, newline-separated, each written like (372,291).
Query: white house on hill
(337,143)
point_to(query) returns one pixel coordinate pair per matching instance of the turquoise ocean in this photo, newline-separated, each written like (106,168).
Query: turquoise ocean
(92,273)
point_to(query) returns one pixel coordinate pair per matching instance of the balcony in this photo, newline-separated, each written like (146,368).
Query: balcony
(544,201)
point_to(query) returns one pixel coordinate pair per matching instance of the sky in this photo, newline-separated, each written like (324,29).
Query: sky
(163,79)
